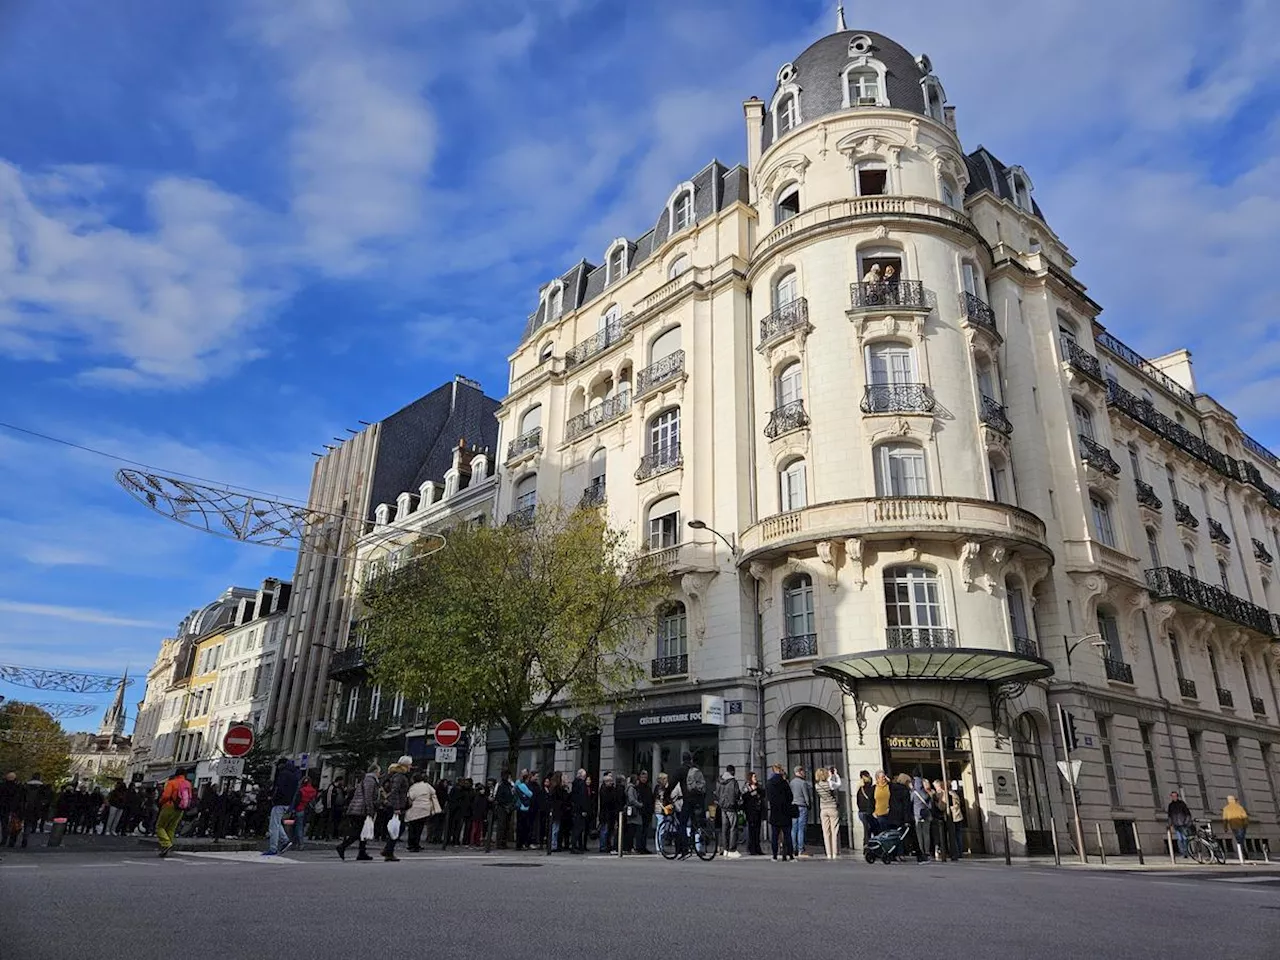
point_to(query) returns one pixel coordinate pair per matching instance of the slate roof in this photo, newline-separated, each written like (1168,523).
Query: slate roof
(986,172)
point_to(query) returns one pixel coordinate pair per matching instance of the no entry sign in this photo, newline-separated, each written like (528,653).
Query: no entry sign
(448,733)
(238,740)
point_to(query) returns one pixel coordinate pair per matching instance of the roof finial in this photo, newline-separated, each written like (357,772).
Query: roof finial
(841,26)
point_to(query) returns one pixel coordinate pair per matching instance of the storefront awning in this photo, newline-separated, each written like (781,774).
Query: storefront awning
(953,664)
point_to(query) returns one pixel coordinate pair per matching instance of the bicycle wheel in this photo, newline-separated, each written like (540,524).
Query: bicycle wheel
(666,841)
(704,842)
(1199,850)
(1219,852)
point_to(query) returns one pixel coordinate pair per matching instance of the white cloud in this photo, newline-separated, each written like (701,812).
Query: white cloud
(76,614)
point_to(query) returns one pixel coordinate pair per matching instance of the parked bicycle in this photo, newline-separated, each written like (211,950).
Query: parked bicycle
(701,835)
(1204,847)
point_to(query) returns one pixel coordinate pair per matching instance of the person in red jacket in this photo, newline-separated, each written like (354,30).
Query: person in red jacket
(307,794)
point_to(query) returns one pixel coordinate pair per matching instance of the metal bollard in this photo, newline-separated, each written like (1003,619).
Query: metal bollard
(1102,851)
(1053,830)
(1173,860)
(1240,851)
(620,844)
(1266,850)
(1137,842)
(1008,859)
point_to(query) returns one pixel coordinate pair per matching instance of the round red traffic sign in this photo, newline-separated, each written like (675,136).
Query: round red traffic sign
(238,740)
(448,733)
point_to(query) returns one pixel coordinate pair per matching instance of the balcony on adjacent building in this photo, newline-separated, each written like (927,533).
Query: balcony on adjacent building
(920,638)
(787,318)
(798,648)
(1080,358)
(527,442)
(1225,699)
(994,416)
(1147,495)
(593,496)
(1118,670)
(897,398)
(664,668)
(1165,583)
(1217,534)
(1026,647)
(1259,708)
(1260,552)
(598,342)
(976,310)
(888,295)
(601,413)
(1183,515)
(1187,688)
(788,417)
(660,461)
(669,368)
(522,516)
(1097,456)
(1144,412)
(348,661)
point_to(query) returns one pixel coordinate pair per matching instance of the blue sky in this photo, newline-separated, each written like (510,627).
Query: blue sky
(230,230)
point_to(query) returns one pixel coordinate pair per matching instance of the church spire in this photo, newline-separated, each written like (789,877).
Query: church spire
(113,719)
(841,26)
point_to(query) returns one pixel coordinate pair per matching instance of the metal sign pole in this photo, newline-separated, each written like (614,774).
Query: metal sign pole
(1071,780)
(948,842)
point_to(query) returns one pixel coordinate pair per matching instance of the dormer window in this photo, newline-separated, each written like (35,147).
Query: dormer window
(617,262)
(1020,188)
(873,178)
(555,303)
(788,113)
(545,354)
(864,87)
(934,98)
(788,204)
(682,212)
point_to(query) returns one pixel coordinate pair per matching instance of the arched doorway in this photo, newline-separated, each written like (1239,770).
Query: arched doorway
(909,744)
(1032,786)
(814,742)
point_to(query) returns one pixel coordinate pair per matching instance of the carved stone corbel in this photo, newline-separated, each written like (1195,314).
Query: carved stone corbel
(993,566)
(762,573)
(694,586)
(970,560)
(853,556)
(826,553)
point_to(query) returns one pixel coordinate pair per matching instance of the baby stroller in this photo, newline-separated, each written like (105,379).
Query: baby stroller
(885,846)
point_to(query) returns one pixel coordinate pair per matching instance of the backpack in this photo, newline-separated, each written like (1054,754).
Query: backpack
(695,782)
(184,795)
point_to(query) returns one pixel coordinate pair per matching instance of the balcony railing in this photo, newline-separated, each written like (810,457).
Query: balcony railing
(1183,515)
(889,293)
(1118,670)
(655,375)
(599,342)
(1225,699)
(1147,495)
(527,441)
(1144,366)
(788,417)
(593,496)
(1026,647)
(796,648)
(788,317)
(976,310)
(611,409)
(677,666)
(660,461)
(920,638)
(1187,688)
(1260,552)
(522,516)
(1080,358)
(1258,450)
(1165,583)
(348,660)
(1217,534)
(1097,456)
(1259,708)
(994,416)
(897,398)
(1143,411)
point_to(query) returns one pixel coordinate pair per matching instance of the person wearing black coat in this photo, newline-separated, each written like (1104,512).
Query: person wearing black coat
(580,810)
(901,814)
(778,793)
(753,807)
(645,793)
(10,807)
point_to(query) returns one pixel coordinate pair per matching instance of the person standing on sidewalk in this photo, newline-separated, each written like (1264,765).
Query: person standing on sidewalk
(36,796)
(396,787)
(175,800)
(116,800)
(753,805)
(284,790)
(780,806)
(1180,822)
(802,797)
(1235,820)
(362,803)
(579,800)
(423,805)
(729,800)
(10,807)
(828,810)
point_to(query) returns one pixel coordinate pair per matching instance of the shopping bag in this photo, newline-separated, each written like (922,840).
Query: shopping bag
(366,832)
(393,827)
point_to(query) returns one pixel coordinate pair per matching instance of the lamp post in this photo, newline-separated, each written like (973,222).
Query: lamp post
(1096,639)
(728,541)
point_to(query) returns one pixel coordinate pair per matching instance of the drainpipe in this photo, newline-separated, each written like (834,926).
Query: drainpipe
(761,749)
(1168,727)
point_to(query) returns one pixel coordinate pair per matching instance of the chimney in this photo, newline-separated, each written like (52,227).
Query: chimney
(949,118)
(753,110)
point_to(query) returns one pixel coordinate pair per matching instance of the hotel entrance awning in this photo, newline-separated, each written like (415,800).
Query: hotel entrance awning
(951,664)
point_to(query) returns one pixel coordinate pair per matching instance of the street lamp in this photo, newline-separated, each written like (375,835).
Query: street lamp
(728,541)
(1094,639)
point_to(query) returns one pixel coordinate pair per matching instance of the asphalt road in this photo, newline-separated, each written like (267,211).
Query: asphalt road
(313,906)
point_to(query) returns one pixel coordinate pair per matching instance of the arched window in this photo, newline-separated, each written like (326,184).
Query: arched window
(933,98)
(1001,488)
(678,266)
(913,608)
(595,491)
(526,493)
(862,87)
(900,470)
(1189,554)
(545,354)
(987,380)
(951,194)
(1135,462)
(1021,188)
(1213,665)
(1102,519)
(786,114)
(664,523)
(673,640)
(609,318)
(814,741)
(531,419)
(1172,480)
(792,480)
(1153,546)
(1066,329)
(1224,576)
(555,302)
(617,262)
(789,384)
(682,212)
(872,178)
(1175,650)
(797,605)
(1018,626)
(1109,628)
(664,345)
(788,204)
(786,289)
(664,432)
(1084,419)
(972,281)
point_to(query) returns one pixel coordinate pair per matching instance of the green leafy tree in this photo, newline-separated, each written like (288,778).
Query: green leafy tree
(31,741)
(359,742)
(517,626)
(259,762)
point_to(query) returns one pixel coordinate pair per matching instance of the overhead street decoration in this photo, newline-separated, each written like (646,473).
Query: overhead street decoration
(66,681)
(58,711)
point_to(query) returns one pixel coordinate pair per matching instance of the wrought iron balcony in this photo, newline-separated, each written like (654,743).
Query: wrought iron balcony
(655,375)
(1143,411)
(788,317)
(887,294)
(1165,583)
(897,398)
(1259,708)
(1260,552)
(1140,363)
(348,661)
(976,310)
(1147,495)
(660,461)
(1225,699)
(527,441)
(677,666)
(788,417)
(1182,513)
(994,416)
(598,342)
(796,648)
(610,409)
(920,638)
(1080,358)
(593,496)
(1118,670)
(1187,688)
(1217,534)
(522,516)
(1026,646)
(1097,456)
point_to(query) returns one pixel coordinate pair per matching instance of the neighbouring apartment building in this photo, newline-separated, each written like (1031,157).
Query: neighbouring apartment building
(950,499)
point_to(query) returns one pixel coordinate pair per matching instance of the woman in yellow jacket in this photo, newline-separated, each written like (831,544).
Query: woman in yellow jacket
(1235,820)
